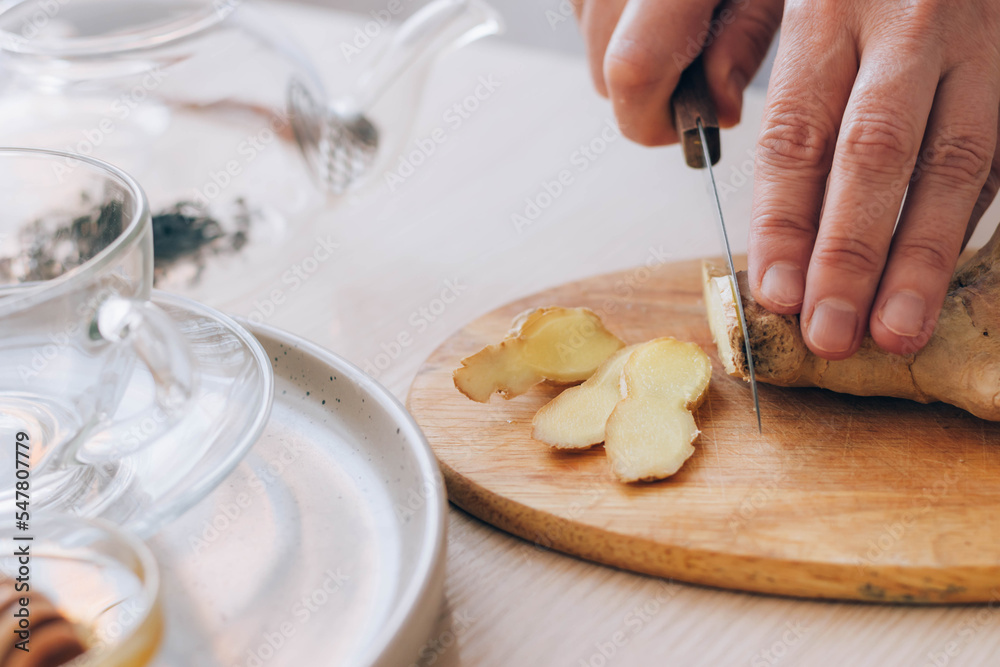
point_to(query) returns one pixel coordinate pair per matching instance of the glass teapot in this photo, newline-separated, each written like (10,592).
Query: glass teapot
(207,105)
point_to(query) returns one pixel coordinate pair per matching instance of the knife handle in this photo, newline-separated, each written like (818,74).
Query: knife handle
(689,103)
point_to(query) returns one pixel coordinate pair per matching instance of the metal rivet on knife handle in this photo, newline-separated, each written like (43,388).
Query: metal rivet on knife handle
(690,103)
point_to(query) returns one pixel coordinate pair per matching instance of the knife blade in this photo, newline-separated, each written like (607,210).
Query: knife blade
(696,122)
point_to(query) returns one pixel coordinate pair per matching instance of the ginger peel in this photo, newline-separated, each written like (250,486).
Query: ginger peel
(960,365)
(561,345)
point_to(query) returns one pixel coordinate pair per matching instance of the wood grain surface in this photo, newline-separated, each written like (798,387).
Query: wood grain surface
(840,497)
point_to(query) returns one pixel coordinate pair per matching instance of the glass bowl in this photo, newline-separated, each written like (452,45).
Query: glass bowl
(105,582)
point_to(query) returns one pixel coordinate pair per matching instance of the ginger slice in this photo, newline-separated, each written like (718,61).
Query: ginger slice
(562,345)
(650,432)
(575,419)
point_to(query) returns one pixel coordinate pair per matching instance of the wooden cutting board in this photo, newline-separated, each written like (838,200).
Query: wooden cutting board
(841,497)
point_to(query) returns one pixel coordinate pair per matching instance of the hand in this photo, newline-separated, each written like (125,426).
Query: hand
(866,98)
(638,49)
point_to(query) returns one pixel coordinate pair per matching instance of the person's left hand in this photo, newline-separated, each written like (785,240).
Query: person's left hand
(866,98)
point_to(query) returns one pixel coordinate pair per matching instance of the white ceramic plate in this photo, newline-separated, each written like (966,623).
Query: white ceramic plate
(325,546)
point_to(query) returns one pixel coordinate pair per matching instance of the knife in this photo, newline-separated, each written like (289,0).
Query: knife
(698,126)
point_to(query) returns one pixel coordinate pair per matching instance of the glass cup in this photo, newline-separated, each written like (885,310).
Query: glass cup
(76,264)
(103,581)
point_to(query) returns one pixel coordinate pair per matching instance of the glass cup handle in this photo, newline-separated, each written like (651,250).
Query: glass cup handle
(159,345)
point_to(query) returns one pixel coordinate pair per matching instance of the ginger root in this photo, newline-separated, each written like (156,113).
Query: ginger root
(575,419)
(960,365)
(562,345)
(650,432)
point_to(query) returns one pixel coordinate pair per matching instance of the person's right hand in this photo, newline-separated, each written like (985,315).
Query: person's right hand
(638,49)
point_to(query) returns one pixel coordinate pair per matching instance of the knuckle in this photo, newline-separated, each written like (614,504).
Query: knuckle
(795,140)
(632,74)
(931,254)
(771,221)
(915,29)
(848,254)
(924,19)
(961,159)
(760,24)
(630,68)
(872,137)
(810,9)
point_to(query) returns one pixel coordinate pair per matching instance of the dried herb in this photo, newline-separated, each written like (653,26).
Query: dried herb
(50,246)
(184,233)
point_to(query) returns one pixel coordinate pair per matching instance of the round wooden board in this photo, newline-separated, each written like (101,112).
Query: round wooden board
(840,497)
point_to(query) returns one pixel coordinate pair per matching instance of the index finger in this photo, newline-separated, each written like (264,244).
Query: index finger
(808,92)
(653,43)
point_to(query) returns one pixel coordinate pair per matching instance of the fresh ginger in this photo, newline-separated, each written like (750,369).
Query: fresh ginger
(575,418)
(562,345)
(960,365)
(650,432)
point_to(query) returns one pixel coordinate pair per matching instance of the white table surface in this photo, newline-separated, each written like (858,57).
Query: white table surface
(449,225)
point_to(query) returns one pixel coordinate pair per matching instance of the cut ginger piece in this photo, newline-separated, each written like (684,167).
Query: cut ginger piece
(575,419)
(650,432)
(562,345)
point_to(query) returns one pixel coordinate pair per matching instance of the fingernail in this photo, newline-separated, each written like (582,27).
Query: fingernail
(834,323)
(903,314)
(783,284)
